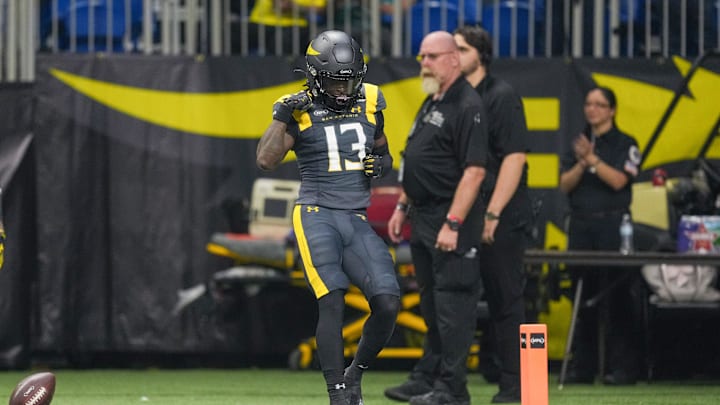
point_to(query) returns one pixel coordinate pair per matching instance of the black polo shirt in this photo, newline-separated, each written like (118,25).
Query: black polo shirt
(447,135)
(592,195)
(508,134)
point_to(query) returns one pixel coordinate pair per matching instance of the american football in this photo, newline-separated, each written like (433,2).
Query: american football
(35,389)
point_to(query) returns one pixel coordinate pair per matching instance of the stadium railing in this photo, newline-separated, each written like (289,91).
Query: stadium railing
(393,28)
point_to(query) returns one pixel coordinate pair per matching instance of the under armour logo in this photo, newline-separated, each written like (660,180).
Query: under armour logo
(356,109)
(312,209)
(340,386)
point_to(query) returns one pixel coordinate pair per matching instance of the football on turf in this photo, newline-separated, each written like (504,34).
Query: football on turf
(35,389)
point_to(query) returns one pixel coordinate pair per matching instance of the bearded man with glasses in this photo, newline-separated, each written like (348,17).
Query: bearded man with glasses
(443,168)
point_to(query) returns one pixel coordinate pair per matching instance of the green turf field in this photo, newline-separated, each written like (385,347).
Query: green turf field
(284,387)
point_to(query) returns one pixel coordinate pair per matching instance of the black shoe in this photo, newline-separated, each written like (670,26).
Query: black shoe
(619,378)
(353,392)
(407,390)
(507,396)
(338,398)
(353,395)
(438,398)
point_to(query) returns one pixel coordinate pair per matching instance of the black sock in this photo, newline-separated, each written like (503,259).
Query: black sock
(335,380)
(377,329)
(329,333)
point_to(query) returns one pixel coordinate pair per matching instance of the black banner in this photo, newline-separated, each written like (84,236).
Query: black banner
(17,181)
(138,160)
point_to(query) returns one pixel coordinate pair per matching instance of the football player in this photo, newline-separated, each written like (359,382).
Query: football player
(335,127)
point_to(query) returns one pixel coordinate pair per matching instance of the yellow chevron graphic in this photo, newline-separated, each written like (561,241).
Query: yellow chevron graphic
(240,114)
(641,106)
(246,114)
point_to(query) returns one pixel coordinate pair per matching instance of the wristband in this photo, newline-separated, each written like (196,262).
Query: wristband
(453,222)
(401,206)
(491,216)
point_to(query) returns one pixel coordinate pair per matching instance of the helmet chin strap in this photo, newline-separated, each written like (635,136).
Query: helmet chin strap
(335,103)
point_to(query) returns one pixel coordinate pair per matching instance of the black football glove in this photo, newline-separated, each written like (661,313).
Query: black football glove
(283,110)
(372,164)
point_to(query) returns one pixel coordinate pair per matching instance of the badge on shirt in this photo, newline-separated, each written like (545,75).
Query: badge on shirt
(633,161)
(435,118)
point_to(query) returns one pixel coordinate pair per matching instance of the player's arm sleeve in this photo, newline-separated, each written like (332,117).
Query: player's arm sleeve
(386,159)
(381,147)
(379,125)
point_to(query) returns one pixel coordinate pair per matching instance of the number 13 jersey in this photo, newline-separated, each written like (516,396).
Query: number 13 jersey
(330,147)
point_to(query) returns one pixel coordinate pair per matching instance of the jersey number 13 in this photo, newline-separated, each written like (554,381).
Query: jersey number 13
(335,163)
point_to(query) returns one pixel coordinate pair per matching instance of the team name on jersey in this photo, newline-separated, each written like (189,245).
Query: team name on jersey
(354,112)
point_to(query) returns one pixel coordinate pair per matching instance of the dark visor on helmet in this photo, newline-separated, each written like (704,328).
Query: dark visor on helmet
(340,87)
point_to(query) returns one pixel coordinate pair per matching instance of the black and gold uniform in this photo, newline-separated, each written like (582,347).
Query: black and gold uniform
(330,147)
(336,128)
(330,218)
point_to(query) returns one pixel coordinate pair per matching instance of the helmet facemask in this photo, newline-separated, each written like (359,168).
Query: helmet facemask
(339,93)
(335,70)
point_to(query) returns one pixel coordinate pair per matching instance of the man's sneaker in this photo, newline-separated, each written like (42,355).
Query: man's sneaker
(407,390)
(353,392)
(507,396)
(438,398)
(353,395)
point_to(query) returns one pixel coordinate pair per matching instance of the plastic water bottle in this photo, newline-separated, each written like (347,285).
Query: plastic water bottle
(626,235)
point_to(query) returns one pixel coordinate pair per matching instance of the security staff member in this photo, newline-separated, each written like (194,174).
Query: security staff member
(597,175)
(442,172)
(507,219)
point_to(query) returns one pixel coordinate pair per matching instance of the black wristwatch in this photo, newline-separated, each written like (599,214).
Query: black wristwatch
(453,223)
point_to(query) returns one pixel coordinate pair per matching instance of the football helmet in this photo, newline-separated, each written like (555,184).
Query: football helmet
(335,69)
